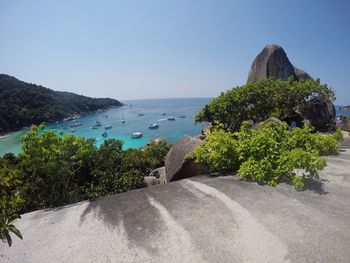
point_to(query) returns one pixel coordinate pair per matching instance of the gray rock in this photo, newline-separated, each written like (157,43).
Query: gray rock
(321,114)
(157,173)
(273,62)
(263,123)
(150,180)
(177,166)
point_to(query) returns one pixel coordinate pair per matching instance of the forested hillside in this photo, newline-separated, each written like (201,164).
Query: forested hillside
(23,104)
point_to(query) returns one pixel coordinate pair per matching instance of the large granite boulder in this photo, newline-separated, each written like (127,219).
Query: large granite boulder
(321,114)
(177,166)
(273,62)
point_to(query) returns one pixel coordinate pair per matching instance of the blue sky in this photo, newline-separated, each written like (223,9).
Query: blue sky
(155,49)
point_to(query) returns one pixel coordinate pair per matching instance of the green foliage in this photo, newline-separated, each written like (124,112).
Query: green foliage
(52,167)
(219,152)
(58,169)
(260,100)
(268,155)
(23,104)
(10,199)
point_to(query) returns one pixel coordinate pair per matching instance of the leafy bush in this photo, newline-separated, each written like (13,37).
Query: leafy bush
(57,169)
(260,100)
(268,155)
(10,199)
(219,152)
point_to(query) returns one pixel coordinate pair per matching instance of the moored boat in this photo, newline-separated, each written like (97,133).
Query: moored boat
(74,125)
(105,134)
(182,117)
(136,135)
(154,126)
(98,123)
(171,118)
(108,127)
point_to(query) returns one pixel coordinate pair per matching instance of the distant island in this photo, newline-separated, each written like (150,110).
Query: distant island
(23,104)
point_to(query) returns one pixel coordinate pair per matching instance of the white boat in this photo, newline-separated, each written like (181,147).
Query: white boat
(105,134)
(171,118)
(2,137)
(123,121)
(108,127)
(136,135)
(94,127)
(74,125)
(154,126)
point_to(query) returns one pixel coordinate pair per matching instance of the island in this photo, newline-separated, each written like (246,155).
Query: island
(23,104)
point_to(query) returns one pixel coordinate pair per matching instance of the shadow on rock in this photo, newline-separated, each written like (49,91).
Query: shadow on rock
(132,214)
(315,186)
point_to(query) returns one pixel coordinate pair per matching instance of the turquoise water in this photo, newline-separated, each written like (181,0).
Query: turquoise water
(152,110)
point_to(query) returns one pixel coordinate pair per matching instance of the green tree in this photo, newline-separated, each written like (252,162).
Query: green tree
(10,198)
(52,167)
(260,100)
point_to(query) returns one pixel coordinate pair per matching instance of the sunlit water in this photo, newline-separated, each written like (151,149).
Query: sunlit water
(152,110)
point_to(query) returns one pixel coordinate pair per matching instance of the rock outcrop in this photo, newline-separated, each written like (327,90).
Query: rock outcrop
(321,114)
(273,62)
(177,166)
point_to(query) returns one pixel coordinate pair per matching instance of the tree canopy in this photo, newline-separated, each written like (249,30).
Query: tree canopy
(258,101)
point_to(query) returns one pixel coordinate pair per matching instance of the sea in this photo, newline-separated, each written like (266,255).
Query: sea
(138,116)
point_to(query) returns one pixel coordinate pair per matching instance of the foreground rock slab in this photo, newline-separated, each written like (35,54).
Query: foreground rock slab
(201,219)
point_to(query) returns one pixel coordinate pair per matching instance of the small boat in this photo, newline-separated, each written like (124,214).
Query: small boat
(94,127)
(163,114)
(72,130)
(105,116)
(2,137)
(136,135)
(74,125)
(141,114)
(108,127)
(98,123)
(105,134)
(154,126)
(182,117)
(123,121)
(171,118)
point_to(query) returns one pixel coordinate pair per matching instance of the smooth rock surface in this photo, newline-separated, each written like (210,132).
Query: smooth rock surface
(321,114)
(177,165)
(201,219)
(273,62)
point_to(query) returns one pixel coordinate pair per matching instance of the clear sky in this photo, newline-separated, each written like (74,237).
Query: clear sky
(158,48)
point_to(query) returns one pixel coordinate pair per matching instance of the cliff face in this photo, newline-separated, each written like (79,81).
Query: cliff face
(273,62)
(23,104)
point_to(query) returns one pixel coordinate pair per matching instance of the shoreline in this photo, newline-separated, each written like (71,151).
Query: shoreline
(3,135)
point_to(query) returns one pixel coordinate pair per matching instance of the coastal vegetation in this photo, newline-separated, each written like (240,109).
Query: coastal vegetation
(268,155)
(265,152)
(23,104)
(56,169)
(257,101)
